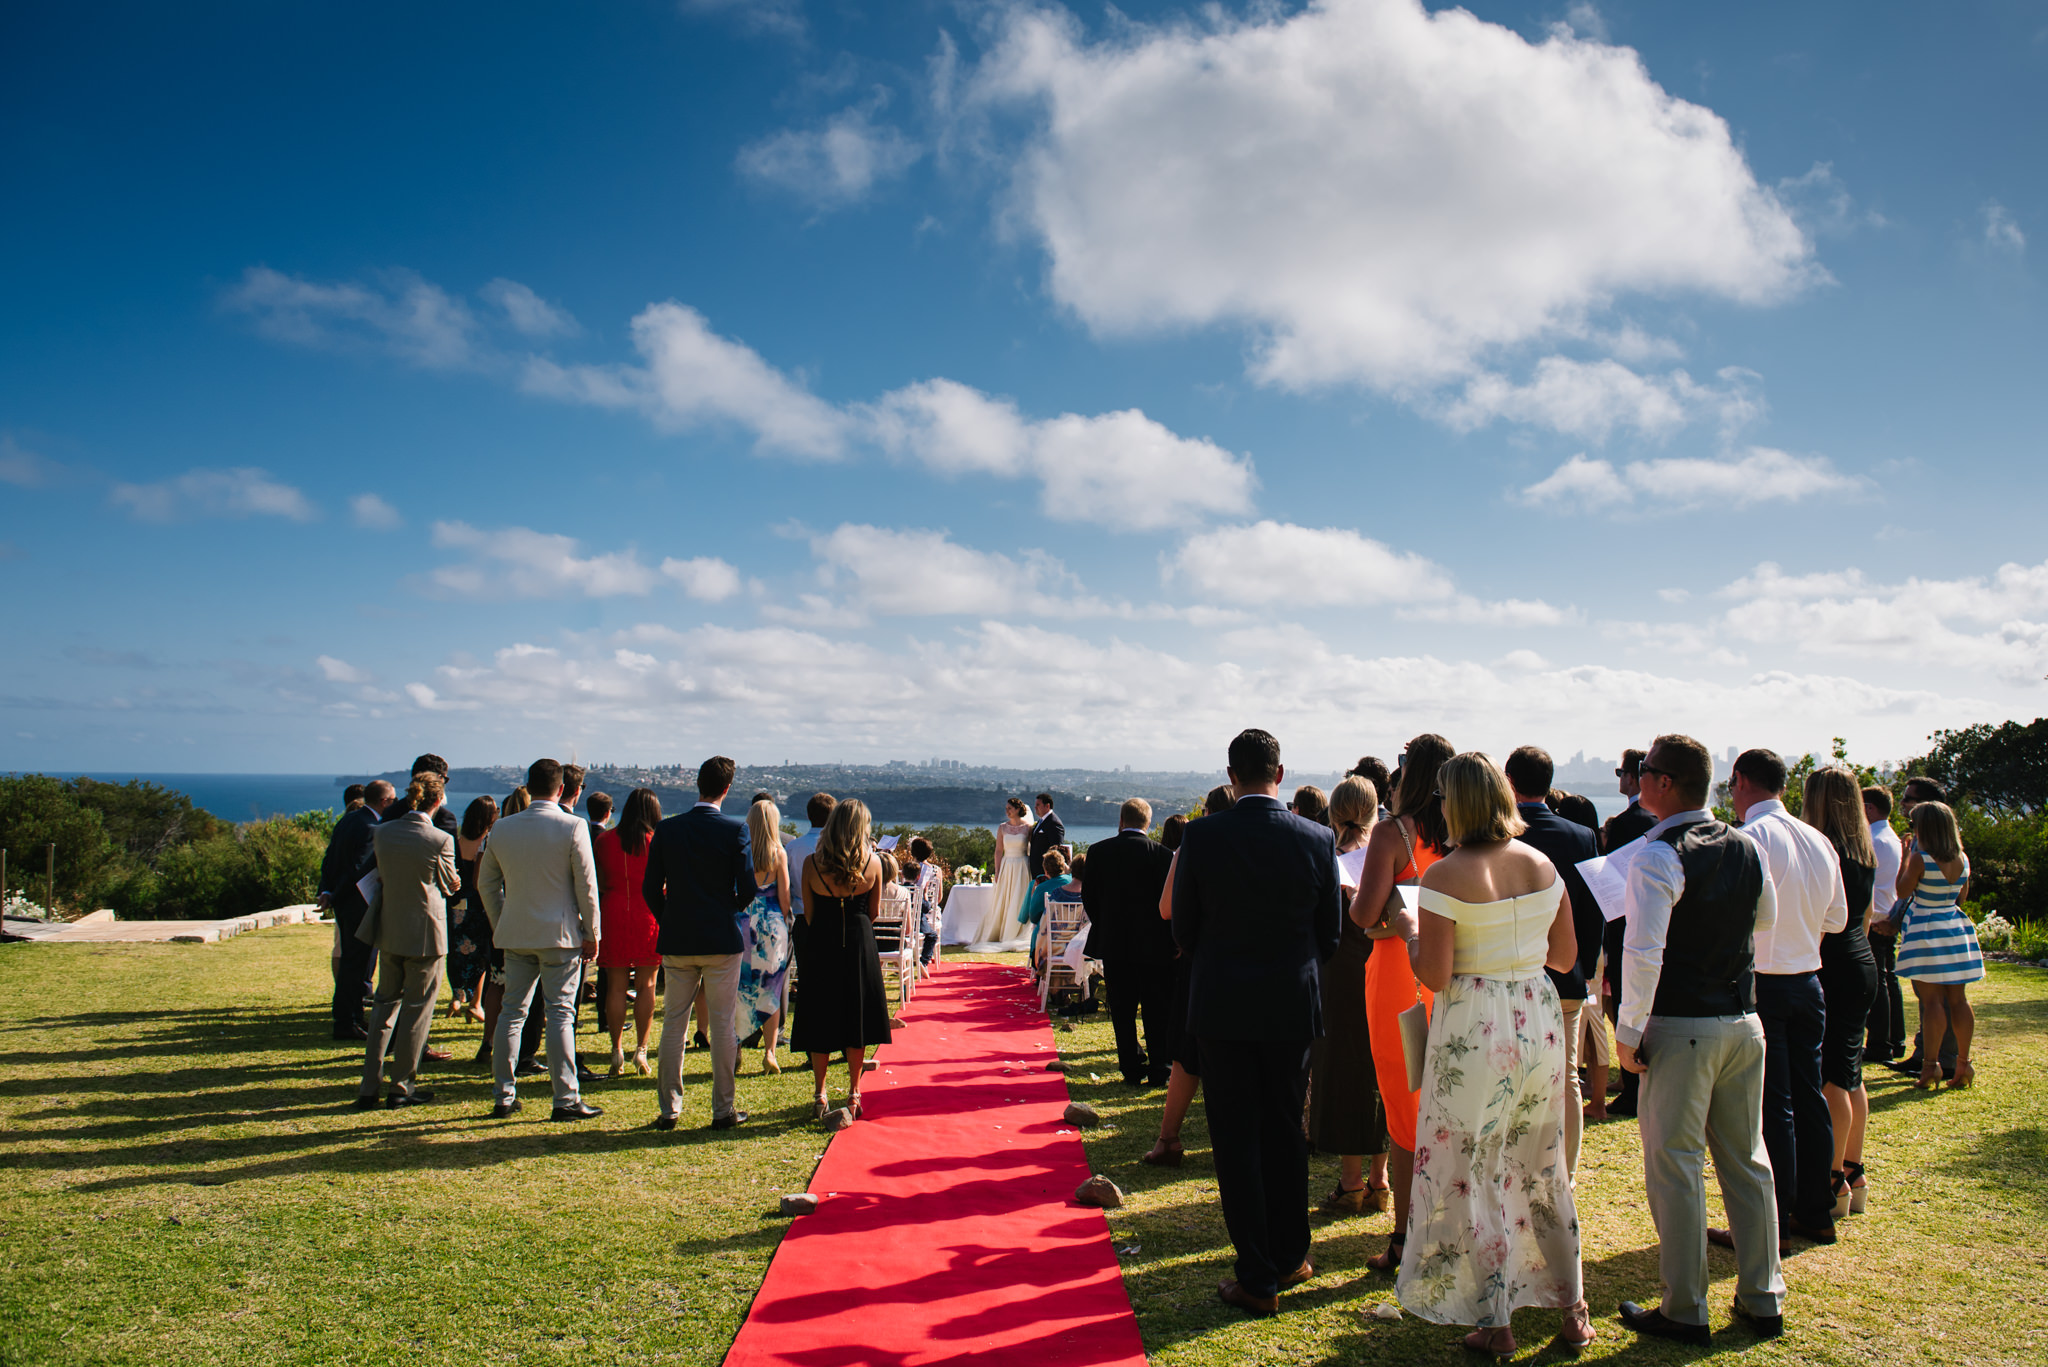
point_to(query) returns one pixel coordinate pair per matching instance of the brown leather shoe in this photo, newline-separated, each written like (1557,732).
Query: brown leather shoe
(1721,1238)
(1305,1273)
(1230,1293)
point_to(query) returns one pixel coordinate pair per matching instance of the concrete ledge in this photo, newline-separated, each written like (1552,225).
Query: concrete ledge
(100,927)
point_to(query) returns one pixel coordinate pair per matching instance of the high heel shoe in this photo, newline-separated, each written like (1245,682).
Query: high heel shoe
(819,1105)
(1489,1341)
(1857,1188)
(1578,1331)
(1929,1079)
(1390,1261)
(640,1061)
(1965,1075)
(853,1104)
(769,1065)
(618,1060)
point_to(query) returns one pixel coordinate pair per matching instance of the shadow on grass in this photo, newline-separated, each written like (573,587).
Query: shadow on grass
(2014,1160)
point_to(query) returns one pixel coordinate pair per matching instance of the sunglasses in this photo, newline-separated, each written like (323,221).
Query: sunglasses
(1648,769)
(1625,772)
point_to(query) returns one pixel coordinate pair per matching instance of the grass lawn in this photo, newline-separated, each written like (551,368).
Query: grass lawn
(187,1183)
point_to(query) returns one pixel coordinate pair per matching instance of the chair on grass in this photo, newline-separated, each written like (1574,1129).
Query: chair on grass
(1063,920)
(896,938)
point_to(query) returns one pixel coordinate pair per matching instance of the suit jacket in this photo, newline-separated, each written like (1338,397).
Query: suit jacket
(1565,843)
(1126,875)
(1624,826)
(1050,831)
(700,872)
(1257,906)
(350,855)
(417,863)
(538,881)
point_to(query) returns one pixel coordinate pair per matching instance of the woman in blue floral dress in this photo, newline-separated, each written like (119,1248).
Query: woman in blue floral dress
(764,935)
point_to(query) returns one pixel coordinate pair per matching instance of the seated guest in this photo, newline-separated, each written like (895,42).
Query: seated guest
(629,957)
(931,897)
(1491,1213)
(417,865)
(1055,865)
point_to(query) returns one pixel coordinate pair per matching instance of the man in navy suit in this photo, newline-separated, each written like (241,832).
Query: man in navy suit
(1256,904)
(1134,943)
(700,872)
(351,853)
(1565,843)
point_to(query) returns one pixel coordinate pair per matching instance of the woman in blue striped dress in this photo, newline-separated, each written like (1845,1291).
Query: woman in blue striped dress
(1938,950)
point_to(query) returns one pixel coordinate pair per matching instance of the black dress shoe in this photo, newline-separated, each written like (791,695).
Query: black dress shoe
(726,1122)
(584,1074)
(358,1032)
(1819,1232)
(416,1097)
(368,1103)
(506,1108)
(530,1068)
(663,1122)
(1627,1108)
(579,1111)
(700,1040)
(1763,1326)
(1652,1321)
(483,1052)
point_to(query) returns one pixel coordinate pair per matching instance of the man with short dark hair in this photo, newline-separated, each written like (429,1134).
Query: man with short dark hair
(1047,833)
(1698,895)
(352,797)
(1126,875)
(699,873)
(1564,844)
(1257,907)
(1885,1036)
(351,853)
(572,786)
(1624,826)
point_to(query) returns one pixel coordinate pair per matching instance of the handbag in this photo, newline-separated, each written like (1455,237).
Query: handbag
(1414,1025)
(1394,902)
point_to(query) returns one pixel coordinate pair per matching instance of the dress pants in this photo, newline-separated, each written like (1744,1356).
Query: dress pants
(1885,1038)
(1574,1112)
(530,1037)
(1141,984)
(407,987)
(557,973)
(720,974)
(1798,1130)
(351,968)
(1701,1094)
(1252,1093)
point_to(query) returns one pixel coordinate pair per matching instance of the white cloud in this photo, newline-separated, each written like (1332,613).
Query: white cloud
(692,377)
(1591,399)
(240,492)
(1382,193)
(835,164)
(1822,204)
(1465,610)
(1279,562)
(370,511)
(952,428)
(23,468)
(919,572)
(397,312)
(341,671)
(705,578)
(784,18)
(2001,233)
(526,312)
(1759,475)
(518,562)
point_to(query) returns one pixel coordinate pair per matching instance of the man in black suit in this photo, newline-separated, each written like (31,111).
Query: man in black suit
(351,853)
(1049,831)
(1564,843)
(1256,905)
(1126,875)
(700,872)
(1621,828)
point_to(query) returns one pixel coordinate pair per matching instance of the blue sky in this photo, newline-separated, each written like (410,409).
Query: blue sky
(1013,382)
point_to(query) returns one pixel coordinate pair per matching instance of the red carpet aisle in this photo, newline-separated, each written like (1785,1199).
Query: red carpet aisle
(949,1232)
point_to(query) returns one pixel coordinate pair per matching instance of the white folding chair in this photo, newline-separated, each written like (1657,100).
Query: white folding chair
(1056,931)
(895,938)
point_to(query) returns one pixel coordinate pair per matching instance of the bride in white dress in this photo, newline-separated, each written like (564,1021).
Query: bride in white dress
(1000,930)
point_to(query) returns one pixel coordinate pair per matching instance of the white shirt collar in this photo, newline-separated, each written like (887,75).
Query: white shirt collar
(1770,806)
(1678,819)
(705,802)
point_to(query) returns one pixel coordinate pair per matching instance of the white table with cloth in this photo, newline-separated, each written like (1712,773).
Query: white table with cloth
(967,906)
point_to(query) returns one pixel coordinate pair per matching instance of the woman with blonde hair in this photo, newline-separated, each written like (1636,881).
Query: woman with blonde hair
(1832,804)
(628,950)
(1495,1225)
(845,1006)
(764,935)
(1938,947)
(1345,1116)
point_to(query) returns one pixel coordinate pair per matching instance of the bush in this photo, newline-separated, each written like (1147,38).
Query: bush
(2030,939)
(2008,859)
(256,867)
(37,811)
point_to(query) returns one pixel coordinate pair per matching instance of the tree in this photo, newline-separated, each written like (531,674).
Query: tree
(37,811)
(2003,768)
(146,819)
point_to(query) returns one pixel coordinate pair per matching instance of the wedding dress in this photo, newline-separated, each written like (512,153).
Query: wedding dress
(1000,929)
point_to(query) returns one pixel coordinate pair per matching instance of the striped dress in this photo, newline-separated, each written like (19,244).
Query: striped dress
(1939,945)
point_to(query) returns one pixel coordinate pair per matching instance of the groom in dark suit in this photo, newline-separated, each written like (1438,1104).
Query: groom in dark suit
(1049,831)
(1256,904)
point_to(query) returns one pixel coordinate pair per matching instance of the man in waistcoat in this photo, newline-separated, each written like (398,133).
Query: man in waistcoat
(1697,896)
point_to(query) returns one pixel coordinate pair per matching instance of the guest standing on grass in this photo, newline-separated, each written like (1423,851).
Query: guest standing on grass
(1399,852)
(1624,827)
(1256,903)
(1918,791)
(1494,1223)
(629,957)
(539,887)
(1186,1077)
(469,930)
(1697,897)
(1938,950)
(350,852)
(1806,879)
(1126,874)
(1047,832)
(416,862)
(1832,804)
(1345,1116)
(700,876)
(764,935)
(845,1004)
(1886,1038)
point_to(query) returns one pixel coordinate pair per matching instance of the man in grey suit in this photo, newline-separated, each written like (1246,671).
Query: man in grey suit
(408,926)
(539,888)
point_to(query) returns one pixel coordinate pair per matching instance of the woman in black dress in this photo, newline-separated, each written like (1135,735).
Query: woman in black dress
(1345,1116)
(469,930)
(844,1006)
(1833,805)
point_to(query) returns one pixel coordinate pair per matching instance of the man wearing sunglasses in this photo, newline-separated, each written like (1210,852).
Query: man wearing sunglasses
(1621,828)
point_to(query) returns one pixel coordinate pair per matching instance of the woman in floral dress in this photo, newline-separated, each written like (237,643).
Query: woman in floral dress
(764,935)
(1492,1225)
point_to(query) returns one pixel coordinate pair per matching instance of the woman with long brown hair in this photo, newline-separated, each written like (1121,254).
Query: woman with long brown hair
(469,930)
(627,949)
(1938,950)
(1833,805)
(844,1005)
(1398,853)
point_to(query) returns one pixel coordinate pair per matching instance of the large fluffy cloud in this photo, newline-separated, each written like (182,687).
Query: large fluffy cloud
(1383,193)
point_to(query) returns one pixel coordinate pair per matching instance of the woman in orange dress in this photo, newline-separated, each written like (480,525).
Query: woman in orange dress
(1398,853)
(627,946)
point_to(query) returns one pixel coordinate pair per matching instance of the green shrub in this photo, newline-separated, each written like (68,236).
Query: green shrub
(37,811)
(257,867)
(2030,939)
(2008,860)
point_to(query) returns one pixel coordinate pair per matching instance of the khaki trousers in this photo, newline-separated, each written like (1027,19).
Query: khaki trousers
(407,987)
(720,974)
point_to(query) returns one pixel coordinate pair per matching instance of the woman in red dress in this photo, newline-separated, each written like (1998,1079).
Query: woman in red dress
(627,944)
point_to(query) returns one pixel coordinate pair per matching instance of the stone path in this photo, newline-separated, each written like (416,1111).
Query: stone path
(100,927)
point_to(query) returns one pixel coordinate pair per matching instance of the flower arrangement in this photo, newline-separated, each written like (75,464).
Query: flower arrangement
(1994,932)
(967,874)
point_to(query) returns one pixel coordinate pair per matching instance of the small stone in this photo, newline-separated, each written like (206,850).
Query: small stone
(799,1203)
(1056,1067)
(1082,1114)
(869,1066)
(1385,1310)
(897,1023)
(839,1119)
(1099,1191)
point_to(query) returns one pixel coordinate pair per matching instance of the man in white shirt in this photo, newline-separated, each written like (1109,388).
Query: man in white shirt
(1887,1037)
(1697,901)
(1806,874)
